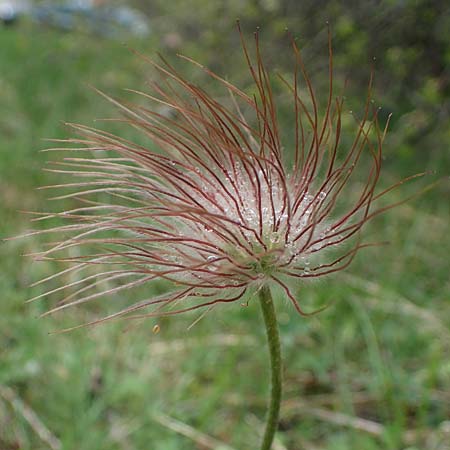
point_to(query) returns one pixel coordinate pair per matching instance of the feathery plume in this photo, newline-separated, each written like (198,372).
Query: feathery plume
(213,202)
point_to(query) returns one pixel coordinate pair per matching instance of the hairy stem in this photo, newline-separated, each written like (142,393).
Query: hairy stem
(273,340)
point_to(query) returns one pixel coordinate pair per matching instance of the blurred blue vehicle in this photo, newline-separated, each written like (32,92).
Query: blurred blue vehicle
(92,16)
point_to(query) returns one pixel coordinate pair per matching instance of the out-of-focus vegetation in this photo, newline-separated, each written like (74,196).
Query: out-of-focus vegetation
(371,372)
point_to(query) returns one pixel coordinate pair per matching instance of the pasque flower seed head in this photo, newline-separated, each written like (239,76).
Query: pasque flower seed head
(212,201)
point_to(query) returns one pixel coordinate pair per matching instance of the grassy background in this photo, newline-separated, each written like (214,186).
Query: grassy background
(371,372)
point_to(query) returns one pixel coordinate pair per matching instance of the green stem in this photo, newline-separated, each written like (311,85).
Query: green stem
(273,339)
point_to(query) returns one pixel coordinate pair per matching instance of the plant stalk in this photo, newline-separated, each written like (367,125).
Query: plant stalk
(273,340)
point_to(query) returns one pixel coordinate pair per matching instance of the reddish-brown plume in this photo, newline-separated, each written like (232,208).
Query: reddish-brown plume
(212,202)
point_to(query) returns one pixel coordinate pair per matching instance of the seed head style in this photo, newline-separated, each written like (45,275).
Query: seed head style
(213,202)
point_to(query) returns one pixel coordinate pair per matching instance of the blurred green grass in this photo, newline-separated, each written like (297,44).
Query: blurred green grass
(371,372)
